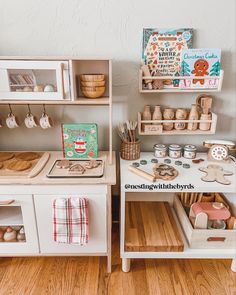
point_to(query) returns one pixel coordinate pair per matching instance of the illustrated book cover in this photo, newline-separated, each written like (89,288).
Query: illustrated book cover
(80,140)
(161,49)
(199,63)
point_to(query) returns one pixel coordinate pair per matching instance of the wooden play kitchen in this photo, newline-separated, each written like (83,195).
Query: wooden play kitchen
(31,182)
(175,202)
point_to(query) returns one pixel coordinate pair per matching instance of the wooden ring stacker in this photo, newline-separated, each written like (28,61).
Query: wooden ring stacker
(142,173)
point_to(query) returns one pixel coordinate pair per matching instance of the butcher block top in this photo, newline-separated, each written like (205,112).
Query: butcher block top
(151,227)
(109,175)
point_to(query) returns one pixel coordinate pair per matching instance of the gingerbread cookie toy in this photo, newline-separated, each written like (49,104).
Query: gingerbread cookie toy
(215,173)
(200,69)
(92,164)
(165,172)
(77,169)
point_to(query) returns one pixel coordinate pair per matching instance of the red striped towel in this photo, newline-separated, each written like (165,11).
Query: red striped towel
(70,220)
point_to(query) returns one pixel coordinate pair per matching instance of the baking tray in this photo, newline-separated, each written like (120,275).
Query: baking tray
(56,172)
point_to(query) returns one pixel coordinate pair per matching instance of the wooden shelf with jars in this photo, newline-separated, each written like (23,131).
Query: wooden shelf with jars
(157,127)
(171,121)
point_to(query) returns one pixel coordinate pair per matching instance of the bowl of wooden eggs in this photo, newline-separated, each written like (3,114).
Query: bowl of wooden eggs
(92,85)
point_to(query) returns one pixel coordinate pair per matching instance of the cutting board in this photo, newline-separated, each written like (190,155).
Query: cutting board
(151,227)
(36,166)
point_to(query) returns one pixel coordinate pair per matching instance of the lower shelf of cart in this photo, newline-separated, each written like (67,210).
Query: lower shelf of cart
(188,253)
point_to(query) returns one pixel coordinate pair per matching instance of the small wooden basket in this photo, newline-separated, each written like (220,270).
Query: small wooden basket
(130,150)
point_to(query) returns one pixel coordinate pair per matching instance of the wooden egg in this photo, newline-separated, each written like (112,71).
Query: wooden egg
(27,89)
(1,235)
(38,88)
(21,235)
(9,235)
(49,88)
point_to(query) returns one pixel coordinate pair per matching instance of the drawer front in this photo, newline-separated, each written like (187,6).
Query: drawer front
(97,225)
(16,211)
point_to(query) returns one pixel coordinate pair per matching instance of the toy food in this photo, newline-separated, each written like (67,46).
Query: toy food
(9,235)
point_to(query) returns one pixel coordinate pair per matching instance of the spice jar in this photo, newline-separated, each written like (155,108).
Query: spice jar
(168,114)
(160,150)
(175,151)
(181,114)
(190,151)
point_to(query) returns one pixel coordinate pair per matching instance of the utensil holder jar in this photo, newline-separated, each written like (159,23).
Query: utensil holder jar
(130,150)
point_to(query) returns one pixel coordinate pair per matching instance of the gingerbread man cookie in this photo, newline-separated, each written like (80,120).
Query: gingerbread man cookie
(200,69)
(215,173)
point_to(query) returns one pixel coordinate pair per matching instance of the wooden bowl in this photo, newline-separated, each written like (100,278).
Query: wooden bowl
(92,77)
(93,92)
(93,84)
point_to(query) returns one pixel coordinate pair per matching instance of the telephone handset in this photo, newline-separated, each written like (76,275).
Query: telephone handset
(219,149)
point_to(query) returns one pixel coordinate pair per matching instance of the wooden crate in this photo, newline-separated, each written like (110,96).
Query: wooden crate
(204,238)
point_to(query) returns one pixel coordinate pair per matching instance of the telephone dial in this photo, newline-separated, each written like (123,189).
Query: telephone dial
(219,149)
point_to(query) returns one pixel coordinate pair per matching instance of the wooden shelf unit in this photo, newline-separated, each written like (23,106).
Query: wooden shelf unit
(136,189)
(212,130)
(68,70)
(181,90)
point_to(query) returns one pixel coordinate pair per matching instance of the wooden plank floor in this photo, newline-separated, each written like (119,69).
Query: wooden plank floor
(87,276)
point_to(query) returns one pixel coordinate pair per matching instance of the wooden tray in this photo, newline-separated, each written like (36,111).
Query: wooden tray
(151,227)
(56,172)
(36,166)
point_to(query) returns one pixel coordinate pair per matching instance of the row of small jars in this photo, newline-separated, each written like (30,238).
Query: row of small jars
(175,151)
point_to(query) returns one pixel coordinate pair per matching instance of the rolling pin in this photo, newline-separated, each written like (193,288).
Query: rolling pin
(143,174)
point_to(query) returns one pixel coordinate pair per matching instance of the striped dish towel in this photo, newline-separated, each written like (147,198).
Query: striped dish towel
(70,220)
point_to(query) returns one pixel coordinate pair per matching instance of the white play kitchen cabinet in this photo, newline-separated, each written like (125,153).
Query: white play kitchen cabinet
(34,212)
(31,206)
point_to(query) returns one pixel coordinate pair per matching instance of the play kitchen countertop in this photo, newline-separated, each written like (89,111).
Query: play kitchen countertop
(109,176)
(187,179)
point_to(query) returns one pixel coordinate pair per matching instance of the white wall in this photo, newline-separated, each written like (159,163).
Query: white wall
(114,28)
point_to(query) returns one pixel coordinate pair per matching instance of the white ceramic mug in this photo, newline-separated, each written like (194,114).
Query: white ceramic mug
(30,121)
(45,121)
(12,121)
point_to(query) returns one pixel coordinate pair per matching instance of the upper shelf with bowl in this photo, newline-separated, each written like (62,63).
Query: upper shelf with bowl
(55,80)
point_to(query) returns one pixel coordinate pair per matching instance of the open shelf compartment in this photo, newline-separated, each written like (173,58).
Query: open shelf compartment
(150,227)
(88,66)
(141,122)
(10,216)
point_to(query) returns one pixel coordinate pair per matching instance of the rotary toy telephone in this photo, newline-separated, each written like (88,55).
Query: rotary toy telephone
(219,149)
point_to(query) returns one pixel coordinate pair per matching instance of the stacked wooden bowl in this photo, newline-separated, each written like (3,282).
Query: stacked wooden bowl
(92,85)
